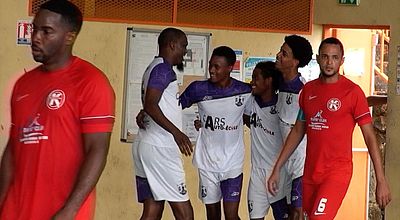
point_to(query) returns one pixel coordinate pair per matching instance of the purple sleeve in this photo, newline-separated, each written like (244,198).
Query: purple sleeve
(161,76)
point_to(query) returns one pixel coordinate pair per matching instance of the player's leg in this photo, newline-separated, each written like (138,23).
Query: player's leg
(213,211)
(166,180)
(210,193)
(257,195)
(280,209)
(328,198)
(296,200)
(182,210)
(231,190)
(151,209)
(309,193)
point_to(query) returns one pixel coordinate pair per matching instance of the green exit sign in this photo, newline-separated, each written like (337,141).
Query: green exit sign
(349,2)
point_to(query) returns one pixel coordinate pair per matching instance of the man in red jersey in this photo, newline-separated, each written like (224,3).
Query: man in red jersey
(62,116)
(330,106)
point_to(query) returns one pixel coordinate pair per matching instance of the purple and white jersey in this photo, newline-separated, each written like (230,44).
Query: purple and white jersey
(288,108)
(288,99)
(220,146)
(160,75)
(266,138)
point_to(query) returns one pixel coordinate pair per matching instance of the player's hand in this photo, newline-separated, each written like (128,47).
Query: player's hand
(197,124)
(140,119)
(185,146)
(272,182)
(383,196)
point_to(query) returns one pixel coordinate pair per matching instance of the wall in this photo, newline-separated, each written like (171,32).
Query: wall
(103,44)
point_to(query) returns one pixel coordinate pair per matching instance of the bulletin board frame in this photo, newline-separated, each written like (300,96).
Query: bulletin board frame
(141,48)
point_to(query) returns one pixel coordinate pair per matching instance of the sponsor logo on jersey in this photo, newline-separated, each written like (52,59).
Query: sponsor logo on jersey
(33,133)
(318,122)
(250,205)
(217,123)
(333,104)
(257,122)
(239,100)
(182,189)
(55,99)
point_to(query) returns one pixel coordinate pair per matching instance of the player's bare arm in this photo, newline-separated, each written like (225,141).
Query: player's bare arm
(96,147)
(383,196)
(291,143)
(153,110)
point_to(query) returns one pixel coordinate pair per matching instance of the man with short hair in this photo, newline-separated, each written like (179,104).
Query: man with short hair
(330,106)
(62,115)
(219,151)
(296,52)
(158,146)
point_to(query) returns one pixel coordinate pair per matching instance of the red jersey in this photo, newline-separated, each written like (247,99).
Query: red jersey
(50,112)
(331,112)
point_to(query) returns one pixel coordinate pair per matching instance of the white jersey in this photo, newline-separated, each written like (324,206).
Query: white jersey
(266,138)
(220,146)
(288,100)
(160,75)
(288,108)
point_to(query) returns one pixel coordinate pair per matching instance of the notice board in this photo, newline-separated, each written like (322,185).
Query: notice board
(141,48)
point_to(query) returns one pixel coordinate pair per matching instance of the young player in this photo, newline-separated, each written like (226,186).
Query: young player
(219,151)
(266,143)
(295,52)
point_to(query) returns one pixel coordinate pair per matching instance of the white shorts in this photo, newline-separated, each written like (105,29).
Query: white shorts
(258,197)
(210,191)
(163,169)
(295,164)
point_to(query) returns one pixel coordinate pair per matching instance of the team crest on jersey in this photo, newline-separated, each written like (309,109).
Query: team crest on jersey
(333,104)
(239,100)
(250,205)
(182,189)
(289,98)
(55,99)
(273,110)
(203,191)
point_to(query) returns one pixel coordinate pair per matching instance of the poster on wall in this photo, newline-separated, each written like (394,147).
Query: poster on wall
(354,62)
(309,72)
(249,65)
(238,67)
(24,32)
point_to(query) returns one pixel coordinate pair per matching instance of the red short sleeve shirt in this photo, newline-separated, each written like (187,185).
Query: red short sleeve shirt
(50,112)
(331,112)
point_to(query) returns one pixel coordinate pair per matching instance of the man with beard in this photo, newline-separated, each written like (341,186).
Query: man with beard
(158,146)
(330,106)
(62,114)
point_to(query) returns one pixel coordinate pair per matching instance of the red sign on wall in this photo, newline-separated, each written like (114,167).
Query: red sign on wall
(24,30)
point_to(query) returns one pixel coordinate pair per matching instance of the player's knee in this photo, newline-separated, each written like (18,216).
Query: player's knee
(183,211)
